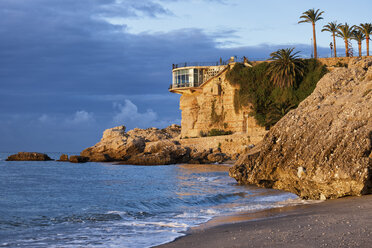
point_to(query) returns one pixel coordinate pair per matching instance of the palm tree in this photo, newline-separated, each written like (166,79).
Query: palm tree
(359,36)
(366,28)
(332,28)
(285,67)
(312,16)
(345,32)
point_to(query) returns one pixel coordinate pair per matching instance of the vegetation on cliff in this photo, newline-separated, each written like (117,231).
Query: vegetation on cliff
(270,102)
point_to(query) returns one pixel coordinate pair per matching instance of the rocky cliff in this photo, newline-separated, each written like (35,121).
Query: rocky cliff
(323,148)
(150,146)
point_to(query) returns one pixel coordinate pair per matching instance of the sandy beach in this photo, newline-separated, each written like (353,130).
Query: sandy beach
(345,222)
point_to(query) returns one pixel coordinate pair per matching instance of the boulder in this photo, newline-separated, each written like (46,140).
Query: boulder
(29,156)
(78,159)
(322,149)
(217,157)
(63,158)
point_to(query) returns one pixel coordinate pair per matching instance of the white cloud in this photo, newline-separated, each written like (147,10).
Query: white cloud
(44,118)
(81,116)
(129,116)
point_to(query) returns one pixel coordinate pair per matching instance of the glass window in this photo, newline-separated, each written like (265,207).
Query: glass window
(187,77)
(196,77)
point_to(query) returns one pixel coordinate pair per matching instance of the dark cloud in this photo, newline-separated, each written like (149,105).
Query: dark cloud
(66,74)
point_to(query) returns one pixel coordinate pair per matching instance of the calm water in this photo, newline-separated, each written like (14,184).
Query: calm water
(56,204)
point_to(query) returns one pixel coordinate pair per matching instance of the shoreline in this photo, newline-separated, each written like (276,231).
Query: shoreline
(343,222)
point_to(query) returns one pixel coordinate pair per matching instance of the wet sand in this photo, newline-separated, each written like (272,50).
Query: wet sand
(345,222)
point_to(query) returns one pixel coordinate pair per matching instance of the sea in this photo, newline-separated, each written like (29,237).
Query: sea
(59,204)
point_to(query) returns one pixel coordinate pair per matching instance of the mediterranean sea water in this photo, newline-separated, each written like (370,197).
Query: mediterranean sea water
(57,204)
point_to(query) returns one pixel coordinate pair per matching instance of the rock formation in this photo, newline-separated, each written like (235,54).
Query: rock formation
(150,146)
(78,159)
(211,106)
(118,145)
(63,158)
(28,156)
(322,149)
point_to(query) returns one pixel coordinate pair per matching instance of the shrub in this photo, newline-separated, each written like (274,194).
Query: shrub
(269,102)
(218,132)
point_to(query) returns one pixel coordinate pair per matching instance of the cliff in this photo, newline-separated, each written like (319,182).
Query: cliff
(155,146)
(323,148)
(211,106)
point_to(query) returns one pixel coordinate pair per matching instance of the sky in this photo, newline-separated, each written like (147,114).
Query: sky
(69,69)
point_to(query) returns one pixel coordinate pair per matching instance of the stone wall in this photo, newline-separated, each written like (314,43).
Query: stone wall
(228,144)
(212,107)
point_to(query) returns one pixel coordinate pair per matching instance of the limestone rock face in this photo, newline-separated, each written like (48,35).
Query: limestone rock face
(322,149)
(118,145)
(212,107)
(28,156)
(150,146)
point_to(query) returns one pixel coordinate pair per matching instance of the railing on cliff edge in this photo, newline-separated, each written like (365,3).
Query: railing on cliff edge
(253,59)
(215,63)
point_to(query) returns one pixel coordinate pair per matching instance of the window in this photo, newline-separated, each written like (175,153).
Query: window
(187,78)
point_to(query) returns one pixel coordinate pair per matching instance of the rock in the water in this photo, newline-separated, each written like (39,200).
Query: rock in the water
(63,158)
(217,157)
(78,159)
(28,156)
(119,145)
(322,149)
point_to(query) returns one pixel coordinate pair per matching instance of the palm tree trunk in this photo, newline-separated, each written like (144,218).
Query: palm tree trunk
(360,48)
(367,41)
(334,45)
(314,37)
(347,48)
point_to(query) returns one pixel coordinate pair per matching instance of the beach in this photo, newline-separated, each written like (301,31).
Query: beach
(344,222)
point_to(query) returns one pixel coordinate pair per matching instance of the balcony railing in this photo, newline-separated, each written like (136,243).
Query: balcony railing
(183,85)
(216,63)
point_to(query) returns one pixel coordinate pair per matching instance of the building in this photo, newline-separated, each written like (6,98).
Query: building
(207,100)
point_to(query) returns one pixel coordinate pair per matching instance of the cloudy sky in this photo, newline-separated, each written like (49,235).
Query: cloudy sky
(71,68)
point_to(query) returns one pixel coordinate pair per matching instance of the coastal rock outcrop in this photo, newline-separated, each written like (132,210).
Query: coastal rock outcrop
(137,146)
(63,158)
(150,146)
(29,156)
(322,149)
(78,159)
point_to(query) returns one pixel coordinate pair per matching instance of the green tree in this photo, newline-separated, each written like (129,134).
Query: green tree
(332,27)
(268,101)
(345,32)
(312,16)
(366,28)
(359,36)
(285,67)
